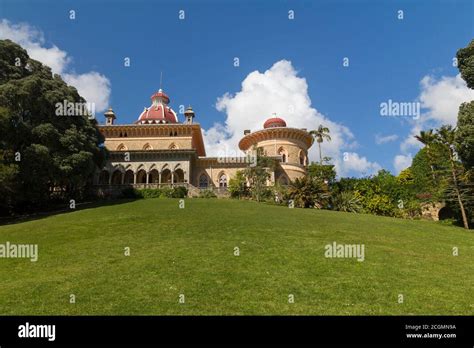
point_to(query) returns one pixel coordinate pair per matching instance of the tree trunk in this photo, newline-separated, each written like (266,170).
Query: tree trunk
(320,155)
(458,194)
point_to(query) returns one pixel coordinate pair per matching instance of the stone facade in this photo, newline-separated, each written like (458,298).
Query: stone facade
(157,150)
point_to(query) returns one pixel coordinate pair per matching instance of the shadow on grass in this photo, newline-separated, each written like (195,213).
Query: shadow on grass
(80,206)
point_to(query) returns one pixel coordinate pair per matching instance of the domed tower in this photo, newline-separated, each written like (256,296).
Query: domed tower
(159,111)
(289,145)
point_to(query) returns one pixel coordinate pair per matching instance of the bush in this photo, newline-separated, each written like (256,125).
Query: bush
(207,194)
(164,192)
(179,192)
(346,201)
(130,192)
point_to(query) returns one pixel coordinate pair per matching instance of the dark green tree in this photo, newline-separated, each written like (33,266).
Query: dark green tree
(445,136)
(465,57)
(259,173)
(464,138)
(50,157)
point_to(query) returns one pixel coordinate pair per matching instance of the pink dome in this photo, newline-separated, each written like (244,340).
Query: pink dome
(274,122)
(159,111)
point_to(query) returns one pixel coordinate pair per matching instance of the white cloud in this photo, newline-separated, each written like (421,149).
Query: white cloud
(94,87)
(353,162)
(440,99)
(277,90)
(379,139)
(401,162)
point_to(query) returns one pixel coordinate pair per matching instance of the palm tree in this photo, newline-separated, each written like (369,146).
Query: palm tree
(428,138)
(445,136)
(320,134)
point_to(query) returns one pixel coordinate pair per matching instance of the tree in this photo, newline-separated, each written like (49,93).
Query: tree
(446,136)
(307,192)
(238,185)
(50,157)
(320,134)
(464,139)
(465,57)
(259,174)
(325,172)
(427,138)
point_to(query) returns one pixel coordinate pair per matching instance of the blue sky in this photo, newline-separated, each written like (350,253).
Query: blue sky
(388,59)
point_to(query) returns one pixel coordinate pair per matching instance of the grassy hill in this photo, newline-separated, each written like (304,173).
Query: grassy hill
(190,251)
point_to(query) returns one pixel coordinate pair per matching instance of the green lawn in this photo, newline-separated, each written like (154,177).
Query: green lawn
(190,251)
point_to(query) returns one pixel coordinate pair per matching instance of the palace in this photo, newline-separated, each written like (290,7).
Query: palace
(159,150)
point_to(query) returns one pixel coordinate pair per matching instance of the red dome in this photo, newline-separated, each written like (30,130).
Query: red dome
(159,111)
(158,114)
(274,122)
(161,94)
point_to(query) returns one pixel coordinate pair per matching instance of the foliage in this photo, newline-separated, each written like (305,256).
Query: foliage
(164,192)
(465,58)
(307,192)
(455,190)
(45,156)
(238,185)
(383,194)
(421,170)
(259,174)
(464,138)
(320,134)
(207,194)
(324,172)
(346,201)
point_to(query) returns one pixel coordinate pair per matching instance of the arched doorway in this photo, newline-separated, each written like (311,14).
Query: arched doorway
(166,176)
(178,176)
(141,176)
(117,177)
(153,177)
(128,179)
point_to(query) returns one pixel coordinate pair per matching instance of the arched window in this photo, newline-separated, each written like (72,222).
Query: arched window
(203,180)
(178,176)
(302,158)
(223,180)
(283,153)
(128,177)
(122,147)
(147,147)
(117,177)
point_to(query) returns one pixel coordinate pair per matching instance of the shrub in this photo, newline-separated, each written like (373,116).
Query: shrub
(164,192)
(346,201)
(207,194)
(179,192)
(130,192)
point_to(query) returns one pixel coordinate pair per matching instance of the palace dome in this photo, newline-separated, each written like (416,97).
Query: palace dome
(159,111)
(274,122)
